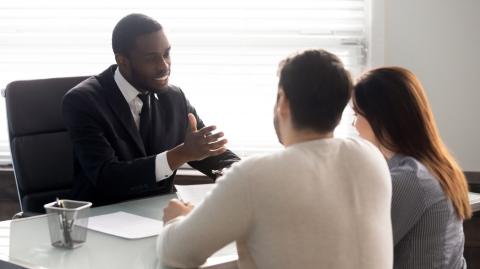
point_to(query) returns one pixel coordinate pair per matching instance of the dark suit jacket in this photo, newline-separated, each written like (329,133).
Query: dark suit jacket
(111,163)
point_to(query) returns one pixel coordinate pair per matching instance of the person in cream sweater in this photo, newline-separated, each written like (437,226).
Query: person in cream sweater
(322,202)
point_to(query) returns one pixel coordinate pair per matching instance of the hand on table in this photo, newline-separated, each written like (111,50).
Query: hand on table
(176,208)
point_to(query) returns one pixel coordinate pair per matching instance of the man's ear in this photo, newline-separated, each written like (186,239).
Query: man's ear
(121,60)
(283,106)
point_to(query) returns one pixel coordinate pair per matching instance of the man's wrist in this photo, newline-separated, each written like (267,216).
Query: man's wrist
(176,157)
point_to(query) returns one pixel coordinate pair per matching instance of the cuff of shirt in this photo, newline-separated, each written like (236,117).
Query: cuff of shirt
(162,169)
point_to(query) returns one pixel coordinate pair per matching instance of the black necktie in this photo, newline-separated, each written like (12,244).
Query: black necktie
(145,118)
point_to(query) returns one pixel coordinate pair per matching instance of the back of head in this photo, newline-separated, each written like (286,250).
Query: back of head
(395,105)
(317,87)
(129,28)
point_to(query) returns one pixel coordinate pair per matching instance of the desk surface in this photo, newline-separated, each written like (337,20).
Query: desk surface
(474,201)
(27,241)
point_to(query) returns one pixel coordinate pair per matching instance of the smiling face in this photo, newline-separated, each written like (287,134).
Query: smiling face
(147,65)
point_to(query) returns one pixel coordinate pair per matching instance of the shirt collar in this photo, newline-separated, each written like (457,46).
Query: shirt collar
(128,91)
(395,160)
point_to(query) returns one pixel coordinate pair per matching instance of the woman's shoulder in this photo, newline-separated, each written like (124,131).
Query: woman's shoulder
(411,175)
(402,166)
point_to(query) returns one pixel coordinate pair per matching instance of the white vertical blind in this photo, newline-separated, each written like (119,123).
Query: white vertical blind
(224,53)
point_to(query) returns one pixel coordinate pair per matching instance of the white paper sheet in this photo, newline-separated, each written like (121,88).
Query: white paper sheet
(193,193)
(125,225)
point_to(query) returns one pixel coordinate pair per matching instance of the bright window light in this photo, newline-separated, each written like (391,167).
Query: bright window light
(224,53)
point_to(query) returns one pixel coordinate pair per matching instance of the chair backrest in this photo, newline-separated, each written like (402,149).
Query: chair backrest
(41,148)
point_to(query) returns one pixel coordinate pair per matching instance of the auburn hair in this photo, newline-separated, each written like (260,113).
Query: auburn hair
(394,103)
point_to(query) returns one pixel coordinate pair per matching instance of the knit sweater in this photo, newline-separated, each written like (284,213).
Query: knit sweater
(317,204)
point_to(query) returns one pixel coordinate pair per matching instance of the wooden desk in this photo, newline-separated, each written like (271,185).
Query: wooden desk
(471,229)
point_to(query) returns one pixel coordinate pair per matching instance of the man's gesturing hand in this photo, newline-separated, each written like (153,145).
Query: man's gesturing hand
(198,145)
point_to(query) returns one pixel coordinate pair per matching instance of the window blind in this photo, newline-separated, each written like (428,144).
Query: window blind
(224,53)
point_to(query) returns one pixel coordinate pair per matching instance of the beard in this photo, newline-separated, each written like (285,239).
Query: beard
(143,82)
(277,127)
(136,80)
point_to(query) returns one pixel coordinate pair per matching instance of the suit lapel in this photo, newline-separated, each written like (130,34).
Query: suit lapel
(119,106)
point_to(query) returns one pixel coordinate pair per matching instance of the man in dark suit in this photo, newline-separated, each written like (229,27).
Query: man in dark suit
(130,129)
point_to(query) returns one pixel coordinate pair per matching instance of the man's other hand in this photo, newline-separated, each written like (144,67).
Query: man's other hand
(176,208)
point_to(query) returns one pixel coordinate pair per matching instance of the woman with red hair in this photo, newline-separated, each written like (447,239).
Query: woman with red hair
(429,190)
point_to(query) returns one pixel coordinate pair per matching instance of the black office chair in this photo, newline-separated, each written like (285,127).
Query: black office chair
(41,148)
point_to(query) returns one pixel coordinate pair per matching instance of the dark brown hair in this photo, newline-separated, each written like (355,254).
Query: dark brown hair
(317,87)
(395,105)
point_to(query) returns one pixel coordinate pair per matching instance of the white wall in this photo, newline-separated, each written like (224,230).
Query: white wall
(439,40)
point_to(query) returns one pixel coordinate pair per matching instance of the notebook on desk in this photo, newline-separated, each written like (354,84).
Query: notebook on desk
(194,193)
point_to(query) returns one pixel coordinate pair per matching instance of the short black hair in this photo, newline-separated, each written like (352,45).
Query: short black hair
(129,28)
(318,87)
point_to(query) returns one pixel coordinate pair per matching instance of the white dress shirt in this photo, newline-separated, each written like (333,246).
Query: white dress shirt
(162,169)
